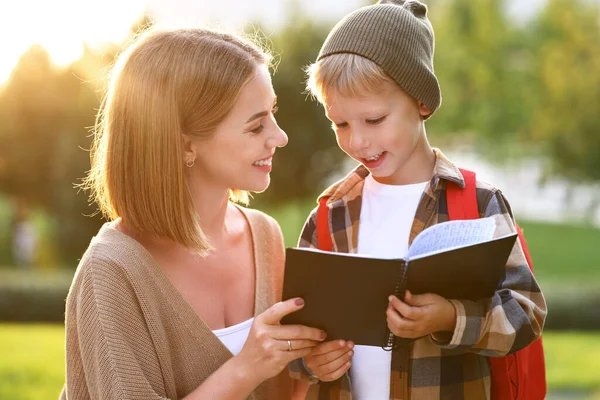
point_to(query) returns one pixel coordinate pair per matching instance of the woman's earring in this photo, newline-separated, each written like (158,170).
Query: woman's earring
(190,163)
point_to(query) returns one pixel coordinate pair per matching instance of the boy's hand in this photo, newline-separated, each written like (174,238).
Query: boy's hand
(330,360)
(419,315)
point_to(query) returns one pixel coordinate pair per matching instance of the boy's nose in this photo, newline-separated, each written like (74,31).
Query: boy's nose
(358,141)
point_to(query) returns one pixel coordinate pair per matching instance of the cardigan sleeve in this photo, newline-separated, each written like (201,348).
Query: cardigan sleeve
(109,351)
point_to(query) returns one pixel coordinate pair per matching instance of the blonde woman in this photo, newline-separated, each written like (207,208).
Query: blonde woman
(178,297)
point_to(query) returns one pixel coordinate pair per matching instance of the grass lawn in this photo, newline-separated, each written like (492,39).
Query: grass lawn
(563,253)
(32,363)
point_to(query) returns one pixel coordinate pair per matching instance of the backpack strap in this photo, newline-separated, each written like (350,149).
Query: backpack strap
(323,236)
(462,203)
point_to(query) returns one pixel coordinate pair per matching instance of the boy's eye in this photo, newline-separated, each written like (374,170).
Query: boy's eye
(340,125)
(376,121)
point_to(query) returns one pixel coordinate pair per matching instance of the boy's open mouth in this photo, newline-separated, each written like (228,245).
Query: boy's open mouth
(375,160)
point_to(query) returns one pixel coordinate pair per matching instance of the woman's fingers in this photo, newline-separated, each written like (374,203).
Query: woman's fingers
(285,332)
(291,345)
(277,311)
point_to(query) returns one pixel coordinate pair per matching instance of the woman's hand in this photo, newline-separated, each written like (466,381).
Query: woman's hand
(271,347)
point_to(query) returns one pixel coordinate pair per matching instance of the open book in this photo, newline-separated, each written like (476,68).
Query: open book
(346,295)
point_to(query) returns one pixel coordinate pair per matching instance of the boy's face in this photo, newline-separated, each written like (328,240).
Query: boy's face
(380,130)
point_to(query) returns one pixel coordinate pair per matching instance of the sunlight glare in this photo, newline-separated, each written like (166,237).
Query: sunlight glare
(62,27)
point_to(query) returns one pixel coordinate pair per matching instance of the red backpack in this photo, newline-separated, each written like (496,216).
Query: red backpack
(517,376)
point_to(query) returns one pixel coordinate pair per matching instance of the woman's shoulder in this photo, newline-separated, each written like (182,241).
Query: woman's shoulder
(112,256)
(261,221)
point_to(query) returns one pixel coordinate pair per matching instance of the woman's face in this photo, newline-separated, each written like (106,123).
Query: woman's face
(240,152)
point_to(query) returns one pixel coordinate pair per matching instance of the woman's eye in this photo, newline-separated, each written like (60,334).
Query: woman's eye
(340,125)
(258,130)
(376,121)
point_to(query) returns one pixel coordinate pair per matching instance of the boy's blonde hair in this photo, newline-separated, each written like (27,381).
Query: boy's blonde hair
(345,74)
(167,84)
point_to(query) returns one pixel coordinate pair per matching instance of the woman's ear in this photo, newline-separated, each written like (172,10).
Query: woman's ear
(424,111)
(189,149)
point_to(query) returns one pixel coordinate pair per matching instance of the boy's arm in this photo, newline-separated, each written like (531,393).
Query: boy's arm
(511,319)
(308,238)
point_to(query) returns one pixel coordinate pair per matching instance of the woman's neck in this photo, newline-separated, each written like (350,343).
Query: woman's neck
(212,210)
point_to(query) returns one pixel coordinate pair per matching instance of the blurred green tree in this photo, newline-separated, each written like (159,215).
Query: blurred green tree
(567,70)
(45,112)
(481,63)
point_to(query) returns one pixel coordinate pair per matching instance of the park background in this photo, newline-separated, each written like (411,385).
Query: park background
(521,106)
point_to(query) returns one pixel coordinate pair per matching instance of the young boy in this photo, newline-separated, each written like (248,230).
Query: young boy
(374,75)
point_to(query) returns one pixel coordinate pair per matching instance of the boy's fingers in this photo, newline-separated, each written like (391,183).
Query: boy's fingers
(330,346)
(419,300)
(401,307)
(325,369)
(338,373)
(397,321)
(326,358)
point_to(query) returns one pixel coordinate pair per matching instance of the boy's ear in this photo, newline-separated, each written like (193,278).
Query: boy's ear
(424,111)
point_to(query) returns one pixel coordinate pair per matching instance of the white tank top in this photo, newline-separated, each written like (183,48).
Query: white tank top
(234,337)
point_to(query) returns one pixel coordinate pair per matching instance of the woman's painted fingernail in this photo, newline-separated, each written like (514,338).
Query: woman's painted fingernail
(299,302)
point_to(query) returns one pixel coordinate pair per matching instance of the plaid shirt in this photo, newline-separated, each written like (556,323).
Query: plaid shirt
(451,365)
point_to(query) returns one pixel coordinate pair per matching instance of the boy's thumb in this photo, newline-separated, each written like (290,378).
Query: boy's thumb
(416,300)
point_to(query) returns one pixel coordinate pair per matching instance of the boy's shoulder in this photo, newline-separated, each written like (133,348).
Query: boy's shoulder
(349,185)
(447,170)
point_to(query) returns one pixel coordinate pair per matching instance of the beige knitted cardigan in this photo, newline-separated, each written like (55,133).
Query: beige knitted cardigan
(131,335)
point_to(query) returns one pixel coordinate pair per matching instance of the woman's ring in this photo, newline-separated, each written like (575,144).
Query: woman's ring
(289,345)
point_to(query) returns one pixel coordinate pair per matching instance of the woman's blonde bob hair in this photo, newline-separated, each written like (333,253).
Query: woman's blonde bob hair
(166,84)
(345,74)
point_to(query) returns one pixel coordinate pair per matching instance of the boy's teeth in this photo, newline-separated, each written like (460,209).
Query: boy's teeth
(262,163)
(375,157)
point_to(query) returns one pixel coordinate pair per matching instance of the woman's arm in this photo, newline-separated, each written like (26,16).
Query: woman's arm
(265,355)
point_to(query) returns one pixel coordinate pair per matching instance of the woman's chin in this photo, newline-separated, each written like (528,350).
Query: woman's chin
(257,187)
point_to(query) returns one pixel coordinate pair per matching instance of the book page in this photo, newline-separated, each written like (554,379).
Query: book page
(452,234)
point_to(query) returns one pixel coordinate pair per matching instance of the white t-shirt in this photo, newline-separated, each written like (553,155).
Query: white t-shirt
(234,337)
(386,218)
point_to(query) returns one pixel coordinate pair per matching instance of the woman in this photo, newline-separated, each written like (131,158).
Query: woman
(176,298)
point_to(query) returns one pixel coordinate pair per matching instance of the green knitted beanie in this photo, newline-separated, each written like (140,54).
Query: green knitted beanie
(397,36)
